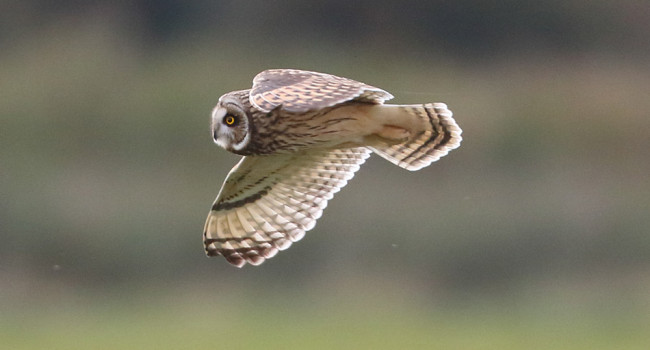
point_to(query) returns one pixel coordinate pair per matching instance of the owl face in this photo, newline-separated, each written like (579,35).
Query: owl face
(230,124)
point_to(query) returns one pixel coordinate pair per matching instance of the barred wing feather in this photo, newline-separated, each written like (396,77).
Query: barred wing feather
(269,202)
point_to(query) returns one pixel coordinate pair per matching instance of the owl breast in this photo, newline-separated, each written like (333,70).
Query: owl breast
(281,132)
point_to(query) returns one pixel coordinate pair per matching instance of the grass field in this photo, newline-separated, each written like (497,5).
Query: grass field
(184,321)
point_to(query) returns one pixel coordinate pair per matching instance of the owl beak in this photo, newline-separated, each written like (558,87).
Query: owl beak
(215,133)
(219,139)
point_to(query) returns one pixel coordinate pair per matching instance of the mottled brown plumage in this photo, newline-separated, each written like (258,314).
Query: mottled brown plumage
(304,135)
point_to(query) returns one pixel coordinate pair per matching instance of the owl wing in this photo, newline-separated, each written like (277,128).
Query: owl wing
(299,91)
(269,202)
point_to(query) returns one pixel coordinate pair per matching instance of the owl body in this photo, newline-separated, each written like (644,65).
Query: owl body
(278,131)
(303,135)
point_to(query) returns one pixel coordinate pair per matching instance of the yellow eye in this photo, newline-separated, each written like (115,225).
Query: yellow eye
(230,120)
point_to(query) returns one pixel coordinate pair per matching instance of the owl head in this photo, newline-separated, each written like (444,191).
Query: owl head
(230,122)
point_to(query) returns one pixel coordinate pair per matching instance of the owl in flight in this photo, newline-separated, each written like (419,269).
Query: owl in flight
(302,136)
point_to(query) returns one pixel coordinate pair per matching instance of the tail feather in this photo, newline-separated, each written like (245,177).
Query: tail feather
(441,135)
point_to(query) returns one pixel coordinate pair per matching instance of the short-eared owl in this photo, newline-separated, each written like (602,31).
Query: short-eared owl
(303,135)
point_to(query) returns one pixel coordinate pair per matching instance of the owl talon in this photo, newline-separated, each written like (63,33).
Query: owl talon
(394,134)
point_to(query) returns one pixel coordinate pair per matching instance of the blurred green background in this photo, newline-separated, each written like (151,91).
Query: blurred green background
(534,234)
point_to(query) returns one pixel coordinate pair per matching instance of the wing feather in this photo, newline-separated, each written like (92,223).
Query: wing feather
(300,91)
(269,202)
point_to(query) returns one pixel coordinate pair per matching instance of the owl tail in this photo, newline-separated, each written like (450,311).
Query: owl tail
(439,134)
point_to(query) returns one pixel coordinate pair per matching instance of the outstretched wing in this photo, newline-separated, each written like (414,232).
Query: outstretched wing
(299,91)
(268,202)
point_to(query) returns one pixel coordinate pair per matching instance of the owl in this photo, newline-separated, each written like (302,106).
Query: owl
(302,136)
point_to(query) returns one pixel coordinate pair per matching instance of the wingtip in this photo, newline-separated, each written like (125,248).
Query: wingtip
(236,260)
